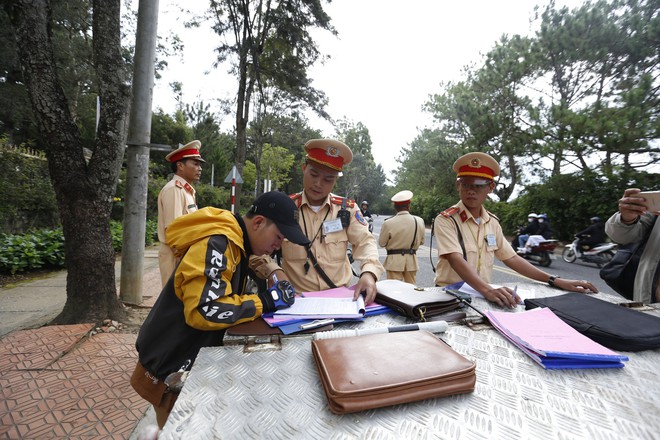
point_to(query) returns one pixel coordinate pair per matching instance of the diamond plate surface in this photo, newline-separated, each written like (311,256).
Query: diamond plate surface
(277,394)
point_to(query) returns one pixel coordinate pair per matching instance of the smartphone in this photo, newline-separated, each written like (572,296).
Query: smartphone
(652,199)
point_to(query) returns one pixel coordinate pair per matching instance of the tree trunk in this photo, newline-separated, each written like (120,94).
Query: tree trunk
(90,262)
(84,189)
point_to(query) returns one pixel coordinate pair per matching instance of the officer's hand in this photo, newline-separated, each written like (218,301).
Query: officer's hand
(366,284)
(280,296)
(580,286)
(502,296)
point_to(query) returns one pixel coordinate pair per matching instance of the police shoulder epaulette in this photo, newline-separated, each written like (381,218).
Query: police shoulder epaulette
(449,212)
(493,215)
(339,200)
(178,183)
(297,198)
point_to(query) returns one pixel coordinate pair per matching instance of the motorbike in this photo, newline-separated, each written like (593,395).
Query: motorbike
(542,254)
(599,255)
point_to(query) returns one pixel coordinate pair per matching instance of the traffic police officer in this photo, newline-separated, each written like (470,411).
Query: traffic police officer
(402,235)
(331,223)
(469,237)
(177,198)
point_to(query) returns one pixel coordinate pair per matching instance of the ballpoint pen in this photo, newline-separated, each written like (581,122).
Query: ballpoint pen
(515,294)
(316,323)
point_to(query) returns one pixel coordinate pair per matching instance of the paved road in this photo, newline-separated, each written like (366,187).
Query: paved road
(501,273)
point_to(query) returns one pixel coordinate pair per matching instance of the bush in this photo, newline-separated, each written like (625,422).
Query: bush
(45,248)
(26,193)
(36,250)
(206,196)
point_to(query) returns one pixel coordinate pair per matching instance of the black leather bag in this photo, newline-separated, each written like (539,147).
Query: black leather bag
(611,325)
(620,272)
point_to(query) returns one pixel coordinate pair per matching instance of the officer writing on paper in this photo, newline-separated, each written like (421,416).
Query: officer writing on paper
(331,223)
(177,198)
(469,237)
(635,223)
(207,294)
(402,235)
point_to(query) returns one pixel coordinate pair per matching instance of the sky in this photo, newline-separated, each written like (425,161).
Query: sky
(388,58)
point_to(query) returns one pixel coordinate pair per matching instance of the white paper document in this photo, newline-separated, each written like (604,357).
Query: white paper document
(315,308)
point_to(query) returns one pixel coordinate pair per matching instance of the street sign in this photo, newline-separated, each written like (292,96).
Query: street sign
(233,177)
(233,174)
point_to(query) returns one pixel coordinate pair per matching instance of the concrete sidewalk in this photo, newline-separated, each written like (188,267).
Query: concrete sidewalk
(67,381)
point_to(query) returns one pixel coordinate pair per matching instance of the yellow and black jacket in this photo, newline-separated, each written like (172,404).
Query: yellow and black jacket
(204,296)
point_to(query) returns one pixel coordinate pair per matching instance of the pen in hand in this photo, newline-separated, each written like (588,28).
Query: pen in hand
(515,294)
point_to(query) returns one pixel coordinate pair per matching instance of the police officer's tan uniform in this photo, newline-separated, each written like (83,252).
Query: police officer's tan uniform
(175,199)
(329,248)
(483,242)
(482,238)
(402,235)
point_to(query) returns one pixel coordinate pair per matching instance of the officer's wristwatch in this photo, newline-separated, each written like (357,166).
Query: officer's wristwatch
(551,280)
(283,294)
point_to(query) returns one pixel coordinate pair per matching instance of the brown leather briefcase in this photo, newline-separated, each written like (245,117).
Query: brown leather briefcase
(372,371)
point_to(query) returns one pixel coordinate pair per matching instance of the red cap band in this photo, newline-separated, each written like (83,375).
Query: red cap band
(482,171)
(320,156)
(188,152)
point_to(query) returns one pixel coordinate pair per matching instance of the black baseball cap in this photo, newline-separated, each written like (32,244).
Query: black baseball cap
(281,210)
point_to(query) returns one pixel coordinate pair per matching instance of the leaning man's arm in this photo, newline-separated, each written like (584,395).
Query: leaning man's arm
(203,283)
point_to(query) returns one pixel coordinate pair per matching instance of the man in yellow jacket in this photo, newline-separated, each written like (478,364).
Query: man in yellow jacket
(207,293)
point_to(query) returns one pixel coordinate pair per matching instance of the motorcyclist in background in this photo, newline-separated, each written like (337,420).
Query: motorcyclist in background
(531,229)
(364,207)
(592,235)
(544,232)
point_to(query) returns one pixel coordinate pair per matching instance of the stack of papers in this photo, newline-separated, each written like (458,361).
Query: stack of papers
(551,342)
(336,304)
(320,308)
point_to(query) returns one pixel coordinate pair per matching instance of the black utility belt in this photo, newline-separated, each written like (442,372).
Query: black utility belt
(401,251)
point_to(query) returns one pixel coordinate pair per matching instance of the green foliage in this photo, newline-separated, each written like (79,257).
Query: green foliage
(26,194)
(207,195)
(117,231)
(570,200)
(41,249)
(44,248)
(363,179)
(151,232)
(276,165)
(570,113)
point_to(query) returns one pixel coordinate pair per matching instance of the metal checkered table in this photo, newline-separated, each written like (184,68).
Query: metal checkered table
(249,390)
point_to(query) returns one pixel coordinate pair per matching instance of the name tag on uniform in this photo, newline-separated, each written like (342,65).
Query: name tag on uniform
(330,226)
(490,240)
(193,206)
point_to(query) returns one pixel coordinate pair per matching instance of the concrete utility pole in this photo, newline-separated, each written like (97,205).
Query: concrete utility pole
(139,136)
